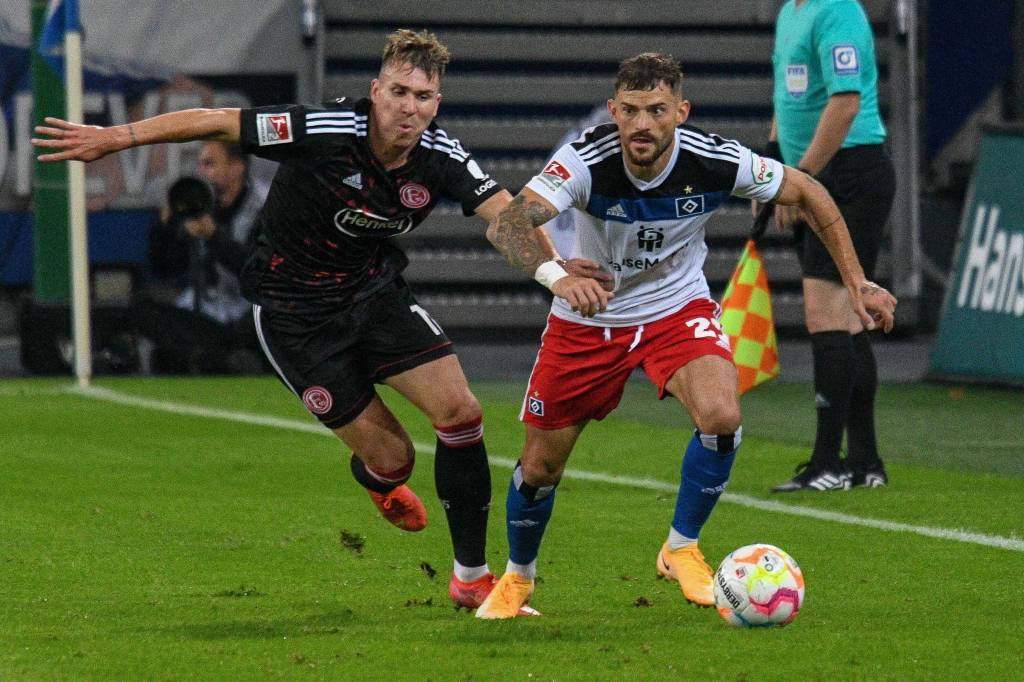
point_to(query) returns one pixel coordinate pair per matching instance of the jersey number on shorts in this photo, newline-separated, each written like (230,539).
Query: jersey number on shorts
(434,326)
(705,328)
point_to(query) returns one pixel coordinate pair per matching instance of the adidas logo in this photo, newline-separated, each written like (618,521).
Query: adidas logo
(355,181)
(616,211)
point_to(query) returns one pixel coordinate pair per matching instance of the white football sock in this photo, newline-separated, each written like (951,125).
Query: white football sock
(468,574)
(677,539)
(528,571)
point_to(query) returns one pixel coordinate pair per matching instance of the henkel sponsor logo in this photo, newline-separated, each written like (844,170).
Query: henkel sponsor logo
(993,272)
(317,399)
(273,128)
(414,195)
(356,223)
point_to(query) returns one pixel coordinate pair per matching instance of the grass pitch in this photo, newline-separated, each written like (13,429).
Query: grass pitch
(141,543)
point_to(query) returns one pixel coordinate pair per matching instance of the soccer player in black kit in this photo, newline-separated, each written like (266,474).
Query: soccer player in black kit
(332,312)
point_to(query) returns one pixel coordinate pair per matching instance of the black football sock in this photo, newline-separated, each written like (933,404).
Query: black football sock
(833,379)
(463,482)
(860,423)
(379,482)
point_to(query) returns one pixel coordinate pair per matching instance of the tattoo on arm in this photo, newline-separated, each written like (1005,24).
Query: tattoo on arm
(514,236)
(131,135)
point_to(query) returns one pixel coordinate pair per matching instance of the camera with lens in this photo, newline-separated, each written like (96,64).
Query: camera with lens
(188,198)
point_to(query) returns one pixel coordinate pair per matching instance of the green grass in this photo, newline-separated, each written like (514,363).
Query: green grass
(138,544)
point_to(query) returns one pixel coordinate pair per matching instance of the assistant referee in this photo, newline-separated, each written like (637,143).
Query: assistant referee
(827,122)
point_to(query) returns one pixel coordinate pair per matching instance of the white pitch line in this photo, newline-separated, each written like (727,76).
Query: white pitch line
(1014,544)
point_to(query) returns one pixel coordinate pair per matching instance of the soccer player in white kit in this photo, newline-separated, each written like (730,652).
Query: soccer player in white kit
(641,190)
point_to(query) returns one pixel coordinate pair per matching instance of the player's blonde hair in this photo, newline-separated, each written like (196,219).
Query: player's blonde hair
(645,71)
(421,50)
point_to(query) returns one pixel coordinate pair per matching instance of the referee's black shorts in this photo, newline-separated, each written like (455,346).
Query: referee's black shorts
(862,181)
(332,360)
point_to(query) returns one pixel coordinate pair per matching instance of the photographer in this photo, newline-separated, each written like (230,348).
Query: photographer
(198,246)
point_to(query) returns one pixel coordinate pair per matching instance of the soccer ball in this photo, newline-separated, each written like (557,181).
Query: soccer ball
(758,586)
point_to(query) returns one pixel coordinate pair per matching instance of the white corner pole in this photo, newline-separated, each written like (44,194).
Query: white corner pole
(77,214)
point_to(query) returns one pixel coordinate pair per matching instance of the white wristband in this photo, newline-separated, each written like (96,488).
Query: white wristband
(550,272)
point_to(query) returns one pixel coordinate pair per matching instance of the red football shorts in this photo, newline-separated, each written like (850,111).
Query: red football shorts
(581,370)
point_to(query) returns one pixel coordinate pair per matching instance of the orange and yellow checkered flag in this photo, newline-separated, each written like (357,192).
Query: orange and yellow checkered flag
(747,319)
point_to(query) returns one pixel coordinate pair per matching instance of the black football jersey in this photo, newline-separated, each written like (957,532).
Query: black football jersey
(324,234)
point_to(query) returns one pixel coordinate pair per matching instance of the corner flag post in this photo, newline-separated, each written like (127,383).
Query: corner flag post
(63,25)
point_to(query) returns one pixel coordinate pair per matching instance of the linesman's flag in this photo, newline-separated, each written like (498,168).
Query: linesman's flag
(747,319)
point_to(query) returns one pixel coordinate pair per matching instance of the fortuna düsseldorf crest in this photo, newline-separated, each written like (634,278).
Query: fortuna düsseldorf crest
(414,195)
(318,399)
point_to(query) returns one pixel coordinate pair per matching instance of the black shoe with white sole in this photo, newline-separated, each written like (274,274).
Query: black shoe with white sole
(810,477)
(875,477)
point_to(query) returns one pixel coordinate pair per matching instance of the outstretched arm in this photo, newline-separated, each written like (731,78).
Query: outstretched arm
(513,234)
(872,303)
(77,142)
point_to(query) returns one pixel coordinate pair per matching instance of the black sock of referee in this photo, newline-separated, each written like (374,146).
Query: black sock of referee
(463,482)
(833,379)
(860,422)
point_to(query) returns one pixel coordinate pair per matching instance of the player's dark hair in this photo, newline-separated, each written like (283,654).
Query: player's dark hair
(645,71)
(420,50)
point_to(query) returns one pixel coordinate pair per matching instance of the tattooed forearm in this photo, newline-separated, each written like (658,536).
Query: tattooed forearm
(514,236)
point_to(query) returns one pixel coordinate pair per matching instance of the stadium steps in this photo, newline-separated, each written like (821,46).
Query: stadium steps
(524,74)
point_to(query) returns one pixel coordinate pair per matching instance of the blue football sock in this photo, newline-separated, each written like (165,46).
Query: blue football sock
(705,473)
(527,510)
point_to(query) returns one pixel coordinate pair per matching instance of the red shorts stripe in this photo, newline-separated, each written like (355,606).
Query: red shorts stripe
(581,370)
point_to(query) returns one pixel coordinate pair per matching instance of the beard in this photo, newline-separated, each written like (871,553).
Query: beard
(648,158)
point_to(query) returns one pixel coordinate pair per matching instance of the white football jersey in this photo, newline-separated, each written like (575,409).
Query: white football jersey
(649,234)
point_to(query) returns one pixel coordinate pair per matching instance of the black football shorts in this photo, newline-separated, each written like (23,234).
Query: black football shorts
(332,360)
(862,182)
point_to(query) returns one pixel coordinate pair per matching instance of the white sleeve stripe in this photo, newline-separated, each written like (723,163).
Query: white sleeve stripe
(707,139)
(326,119)
(332,114)
(348,130)
(440,138)
(597,143)
(704,137)
(328,124)
(716,151)
(450,152)
(698,139)
(597,159)
(707,143)
(712,155)
(597,151)
(448,149)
